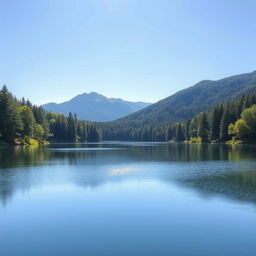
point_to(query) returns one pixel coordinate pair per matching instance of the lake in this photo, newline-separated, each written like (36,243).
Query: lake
(120,199)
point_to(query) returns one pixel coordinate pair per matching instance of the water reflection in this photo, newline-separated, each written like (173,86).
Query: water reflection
(235,185)
(12,157)
(228,170)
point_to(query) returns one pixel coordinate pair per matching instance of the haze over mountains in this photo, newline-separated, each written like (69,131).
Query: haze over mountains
(186,103)
(96,107)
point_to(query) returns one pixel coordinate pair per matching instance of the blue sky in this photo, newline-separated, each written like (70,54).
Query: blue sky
(52,50)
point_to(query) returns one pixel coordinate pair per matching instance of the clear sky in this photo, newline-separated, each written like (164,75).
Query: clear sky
(52,50)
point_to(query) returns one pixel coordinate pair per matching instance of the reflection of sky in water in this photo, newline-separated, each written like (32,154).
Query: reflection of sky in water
(124,170)
(132,217)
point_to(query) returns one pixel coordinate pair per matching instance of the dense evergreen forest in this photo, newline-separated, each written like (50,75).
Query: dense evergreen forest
(187,103)
(233,120)
(24,123)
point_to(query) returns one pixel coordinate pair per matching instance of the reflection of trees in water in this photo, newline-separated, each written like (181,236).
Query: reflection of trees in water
(194,152)
(15,163)
(12,180)
(11,177)
(235,185)
(11,157)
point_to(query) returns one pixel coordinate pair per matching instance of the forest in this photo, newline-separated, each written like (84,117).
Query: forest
(187,103)
(235,120)
(21,122)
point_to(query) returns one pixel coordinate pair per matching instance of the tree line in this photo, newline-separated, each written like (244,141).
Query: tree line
(21,122)
(235,119)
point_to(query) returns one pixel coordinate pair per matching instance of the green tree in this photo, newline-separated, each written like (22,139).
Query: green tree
(39,132)
(193,126)
(215,123)
(203,129)
(224,124)
(28,121)
(10,120)
(72,129)
(179,133)
(249,116)
(41,118)
(187,133)
(94,133)
(170,133)
(241,130)
(84,133)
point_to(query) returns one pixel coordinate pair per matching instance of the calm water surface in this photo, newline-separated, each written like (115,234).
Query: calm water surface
(136,199)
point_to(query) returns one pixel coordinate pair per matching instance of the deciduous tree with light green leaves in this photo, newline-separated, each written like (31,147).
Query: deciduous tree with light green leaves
(249,116)
(240,129)
(246,126)
(39,132)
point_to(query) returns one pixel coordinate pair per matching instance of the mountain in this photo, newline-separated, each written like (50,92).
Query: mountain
(96,107)
(186,103)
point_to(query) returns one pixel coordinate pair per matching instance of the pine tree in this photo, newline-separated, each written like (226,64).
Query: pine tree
(23,101)
(10,121)
(179,133)
(94,133)
(215,123)
(187,133)
(240,106)
(170,133)
(224,124)
(72,129)
(247,102)
(84,133)
(203,129)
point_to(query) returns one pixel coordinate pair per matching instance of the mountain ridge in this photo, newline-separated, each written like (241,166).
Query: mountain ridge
(186,103)
(95,107)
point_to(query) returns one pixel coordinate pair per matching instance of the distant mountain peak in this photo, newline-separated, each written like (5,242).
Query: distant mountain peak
(96,107)
(95,93)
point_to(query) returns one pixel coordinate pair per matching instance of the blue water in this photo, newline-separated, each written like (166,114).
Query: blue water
(128,199)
